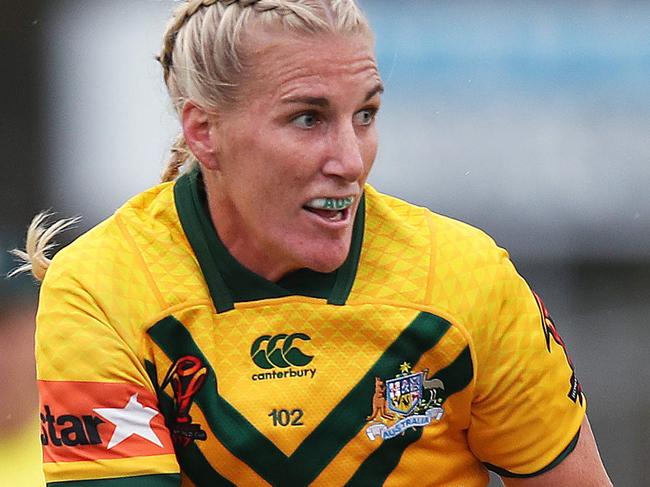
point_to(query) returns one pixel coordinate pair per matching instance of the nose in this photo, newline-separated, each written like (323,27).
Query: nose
(345,157)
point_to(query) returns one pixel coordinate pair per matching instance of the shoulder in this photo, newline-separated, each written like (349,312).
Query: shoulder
(118,263)
(428,256)
(112,238)
(445,234)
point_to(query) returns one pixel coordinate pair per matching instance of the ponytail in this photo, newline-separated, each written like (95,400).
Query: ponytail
(39,240)
(180,155)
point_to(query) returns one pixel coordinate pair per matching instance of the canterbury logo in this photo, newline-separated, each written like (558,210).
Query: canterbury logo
(279,351)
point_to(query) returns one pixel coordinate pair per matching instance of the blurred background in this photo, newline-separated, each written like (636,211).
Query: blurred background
(530,120)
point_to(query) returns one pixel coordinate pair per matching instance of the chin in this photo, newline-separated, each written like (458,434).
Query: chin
(327,258)
(326,267)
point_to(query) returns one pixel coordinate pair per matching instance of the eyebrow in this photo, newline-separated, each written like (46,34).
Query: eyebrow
(377,90)
(324,103)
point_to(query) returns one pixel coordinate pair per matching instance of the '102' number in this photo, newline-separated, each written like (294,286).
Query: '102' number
(284,417)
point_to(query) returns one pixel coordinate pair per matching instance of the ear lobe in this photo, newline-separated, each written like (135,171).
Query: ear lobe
(197,128)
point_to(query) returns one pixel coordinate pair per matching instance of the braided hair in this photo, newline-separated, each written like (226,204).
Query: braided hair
(203,50)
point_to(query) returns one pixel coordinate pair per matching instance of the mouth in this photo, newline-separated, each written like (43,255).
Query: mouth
(331,209)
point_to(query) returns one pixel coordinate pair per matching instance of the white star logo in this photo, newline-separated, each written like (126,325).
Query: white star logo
(132,419)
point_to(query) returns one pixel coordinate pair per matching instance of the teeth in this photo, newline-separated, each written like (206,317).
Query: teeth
(331,203)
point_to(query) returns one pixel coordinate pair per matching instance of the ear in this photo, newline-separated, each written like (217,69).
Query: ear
(198,131)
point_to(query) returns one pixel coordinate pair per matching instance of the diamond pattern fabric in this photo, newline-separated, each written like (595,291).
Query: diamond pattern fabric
(127,305)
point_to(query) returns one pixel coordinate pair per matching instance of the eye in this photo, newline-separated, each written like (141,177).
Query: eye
(306,120)
(365,116)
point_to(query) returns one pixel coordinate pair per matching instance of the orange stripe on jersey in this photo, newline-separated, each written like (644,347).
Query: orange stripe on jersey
(86,421)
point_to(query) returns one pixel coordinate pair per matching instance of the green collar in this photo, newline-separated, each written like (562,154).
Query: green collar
(230,282)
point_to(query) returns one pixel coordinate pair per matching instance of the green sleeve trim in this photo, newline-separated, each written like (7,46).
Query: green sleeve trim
(163,480)
(559,459)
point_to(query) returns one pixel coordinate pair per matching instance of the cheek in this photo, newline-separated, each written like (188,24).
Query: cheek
(369,149)
(271,185)
(273,165)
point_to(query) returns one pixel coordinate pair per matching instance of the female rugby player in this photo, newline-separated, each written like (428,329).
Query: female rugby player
(265,317)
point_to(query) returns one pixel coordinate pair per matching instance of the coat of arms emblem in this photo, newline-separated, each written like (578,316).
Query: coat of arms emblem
(404,393)
(410,399)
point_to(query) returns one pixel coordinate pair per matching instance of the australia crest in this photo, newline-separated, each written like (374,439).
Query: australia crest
(408,400)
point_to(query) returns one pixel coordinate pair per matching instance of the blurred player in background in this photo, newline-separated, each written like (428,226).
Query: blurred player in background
(266,317)
(20,453)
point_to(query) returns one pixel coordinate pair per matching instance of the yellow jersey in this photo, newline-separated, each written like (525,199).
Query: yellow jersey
(425,359)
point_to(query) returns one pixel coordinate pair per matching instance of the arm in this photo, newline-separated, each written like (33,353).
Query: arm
(581,467)
(528,407)
(101,422)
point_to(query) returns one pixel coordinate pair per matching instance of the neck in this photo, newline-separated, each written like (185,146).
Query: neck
(245,249)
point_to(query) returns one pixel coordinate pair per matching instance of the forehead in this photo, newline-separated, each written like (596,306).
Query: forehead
(281,64)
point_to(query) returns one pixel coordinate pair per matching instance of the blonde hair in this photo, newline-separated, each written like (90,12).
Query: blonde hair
(203,54)
(203,60)
(39,240)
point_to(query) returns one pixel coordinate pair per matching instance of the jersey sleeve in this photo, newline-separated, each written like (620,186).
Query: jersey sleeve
(100,419)
(528,405)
